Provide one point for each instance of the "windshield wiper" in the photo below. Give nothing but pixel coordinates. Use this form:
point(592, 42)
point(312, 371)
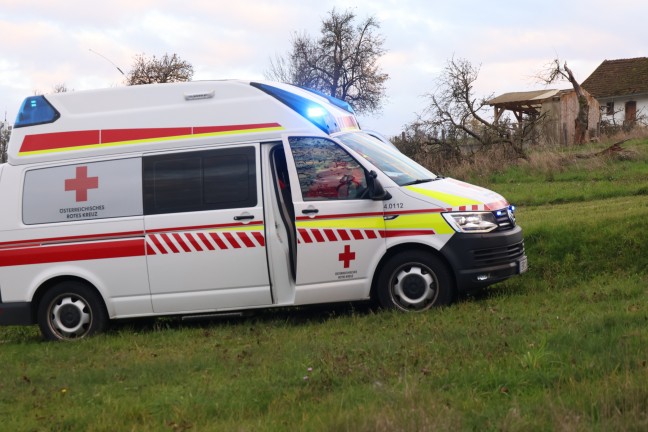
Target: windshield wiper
point(418, 181)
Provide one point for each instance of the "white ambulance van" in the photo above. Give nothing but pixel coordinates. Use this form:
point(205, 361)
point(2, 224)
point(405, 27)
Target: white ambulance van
point(219, 196)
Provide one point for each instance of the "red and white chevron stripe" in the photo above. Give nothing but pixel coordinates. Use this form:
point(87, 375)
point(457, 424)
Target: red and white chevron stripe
point(321, 235)
point(202, 241)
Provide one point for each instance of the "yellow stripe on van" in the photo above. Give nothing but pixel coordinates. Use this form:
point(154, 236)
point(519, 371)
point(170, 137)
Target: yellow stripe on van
point(433, 221)
point(451, 200)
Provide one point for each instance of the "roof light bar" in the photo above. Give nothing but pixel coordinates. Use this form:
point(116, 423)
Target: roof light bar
point(311, 110)
point(333, 100)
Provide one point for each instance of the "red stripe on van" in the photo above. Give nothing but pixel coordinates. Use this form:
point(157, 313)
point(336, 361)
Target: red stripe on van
point(343, 235)
point(318, 236)
point(69, 239)
point(118, 135)
point(54, 140)
point(168, 243)
point(404, 233)
point(245, 239)
point(304, 235)
point(216, 129)
point(259, 238)
point(357, 234)
point(230, 238)
point(350, 215)
point(149, 250)
point(70, 140)
point(72, 252)
point(330, 234)
point(221, 244)
point(196, 244)
point(203, 238)
point(158, 244)
point(182, 242)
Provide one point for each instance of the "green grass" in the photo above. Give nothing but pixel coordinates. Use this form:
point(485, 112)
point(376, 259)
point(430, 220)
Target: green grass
point(563, 347)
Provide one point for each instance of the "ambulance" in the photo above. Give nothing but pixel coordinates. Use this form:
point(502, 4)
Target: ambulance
point(209, 197)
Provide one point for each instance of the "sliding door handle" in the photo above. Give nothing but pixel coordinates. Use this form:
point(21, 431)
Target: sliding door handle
point(243, 217)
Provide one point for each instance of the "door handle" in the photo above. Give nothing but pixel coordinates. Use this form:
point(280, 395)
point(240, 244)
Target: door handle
point(310, 211)
point(243, 217)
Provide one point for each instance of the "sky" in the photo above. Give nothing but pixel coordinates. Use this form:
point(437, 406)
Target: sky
point(79, 43)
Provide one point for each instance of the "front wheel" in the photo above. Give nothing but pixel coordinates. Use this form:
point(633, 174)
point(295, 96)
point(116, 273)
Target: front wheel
point(414, 281)
point(71, 310)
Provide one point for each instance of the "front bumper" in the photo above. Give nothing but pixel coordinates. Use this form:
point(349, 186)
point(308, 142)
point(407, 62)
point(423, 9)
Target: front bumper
point(18, 313)
point(479, 260)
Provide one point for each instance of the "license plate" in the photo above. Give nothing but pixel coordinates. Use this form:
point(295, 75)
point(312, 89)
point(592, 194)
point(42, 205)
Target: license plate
point(523, 265)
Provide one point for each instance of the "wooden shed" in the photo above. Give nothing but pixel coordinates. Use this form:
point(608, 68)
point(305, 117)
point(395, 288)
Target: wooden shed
point(557, 109)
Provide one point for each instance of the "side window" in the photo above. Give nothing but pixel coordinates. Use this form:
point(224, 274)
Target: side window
point(326, 171)
point(197, 181)
point(93, 190)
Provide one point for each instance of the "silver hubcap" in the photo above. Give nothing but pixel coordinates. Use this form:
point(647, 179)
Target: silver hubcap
point(70, 316)
point(414, 287)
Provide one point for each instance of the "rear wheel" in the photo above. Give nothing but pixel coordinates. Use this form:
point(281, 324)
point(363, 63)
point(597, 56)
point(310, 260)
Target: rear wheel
point(71, 310)
point(415, 281)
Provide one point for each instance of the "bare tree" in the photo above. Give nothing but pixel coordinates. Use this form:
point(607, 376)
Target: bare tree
point(56, 88)
point(60, 88)
point(342, 62)
point(168, 68)
point(5, 133)
point(556, 73)
point(455, 124)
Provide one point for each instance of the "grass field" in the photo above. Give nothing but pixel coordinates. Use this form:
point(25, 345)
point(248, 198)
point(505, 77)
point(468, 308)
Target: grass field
point(563, 347)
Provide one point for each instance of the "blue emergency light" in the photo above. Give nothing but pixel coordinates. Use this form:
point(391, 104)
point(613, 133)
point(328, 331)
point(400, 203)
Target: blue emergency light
point(333, 100)
point(314, 112)
point(35, 110)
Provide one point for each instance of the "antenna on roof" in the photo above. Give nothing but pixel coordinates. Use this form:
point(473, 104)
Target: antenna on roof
point(108, 60)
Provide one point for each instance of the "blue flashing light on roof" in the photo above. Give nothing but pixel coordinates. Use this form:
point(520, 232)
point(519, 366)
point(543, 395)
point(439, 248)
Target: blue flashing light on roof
point(35, 110)
point(314, 112)
point(333, 100)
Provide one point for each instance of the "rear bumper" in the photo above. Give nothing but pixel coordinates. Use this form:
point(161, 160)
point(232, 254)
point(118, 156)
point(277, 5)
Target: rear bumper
point(18, 313)
point(479, 260)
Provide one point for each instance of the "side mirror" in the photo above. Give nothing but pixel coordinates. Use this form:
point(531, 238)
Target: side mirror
point(376, 190)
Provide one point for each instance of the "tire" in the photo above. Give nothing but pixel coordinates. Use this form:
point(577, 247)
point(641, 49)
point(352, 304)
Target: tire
point(415, 281)
point(71, 310)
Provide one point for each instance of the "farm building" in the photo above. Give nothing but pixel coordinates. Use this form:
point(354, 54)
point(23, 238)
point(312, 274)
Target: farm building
point(557, 110)
point(621, 87)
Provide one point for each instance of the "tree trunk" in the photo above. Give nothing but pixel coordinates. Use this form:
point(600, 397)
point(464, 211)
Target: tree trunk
point(581, 123)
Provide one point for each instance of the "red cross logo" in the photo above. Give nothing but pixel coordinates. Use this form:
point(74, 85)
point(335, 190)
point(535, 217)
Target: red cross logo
point(347, 256)
point(81, 183)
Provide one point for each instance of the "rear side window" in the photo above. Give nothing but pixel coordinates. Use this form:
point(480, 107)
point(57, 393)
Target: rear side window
point(197, 181)
point(93, 190)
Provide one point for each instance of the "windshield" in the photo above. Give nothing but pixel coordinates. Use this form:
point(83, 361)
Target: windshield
point(398, 167)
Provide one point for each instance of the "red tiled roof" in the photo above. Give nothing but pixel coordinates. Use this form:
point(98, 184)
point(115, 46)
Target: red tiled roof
point(618, 78)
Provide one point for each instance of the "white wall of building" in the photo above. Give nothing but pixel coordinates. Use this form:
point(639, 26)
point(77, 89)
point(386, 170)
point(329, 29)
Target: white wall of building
point(619, 106)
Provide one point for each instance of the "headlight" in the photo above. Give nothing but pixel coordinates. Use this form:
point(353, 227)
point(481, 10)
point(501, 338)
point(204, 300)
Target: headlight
point(471, 222)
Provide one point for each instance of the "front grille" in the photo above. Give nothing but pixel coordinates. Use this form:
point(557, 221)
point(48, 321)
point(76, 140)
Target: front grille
point(499, 255)
point(504, 221)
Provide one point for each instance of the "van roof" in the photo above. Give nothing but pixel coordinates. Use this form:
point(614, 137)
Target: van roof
point(154, 117)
